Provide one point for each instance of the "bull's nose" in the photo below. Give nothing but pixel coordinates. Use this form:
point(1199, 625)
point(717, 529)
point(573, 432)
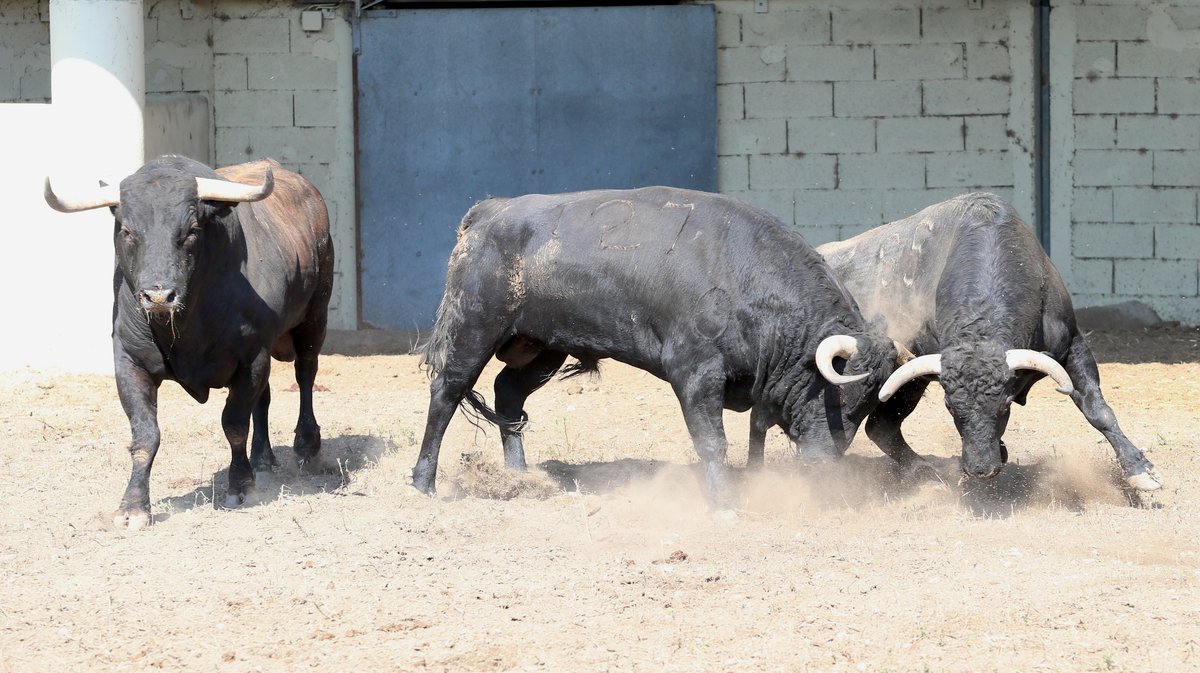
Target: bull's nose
point(982, 471)
point(158, 297)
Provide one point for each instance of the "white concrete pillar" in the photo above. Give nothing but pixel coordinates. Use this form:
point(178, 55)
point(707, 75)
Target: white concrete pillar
point(98, 81)
point(97, 87)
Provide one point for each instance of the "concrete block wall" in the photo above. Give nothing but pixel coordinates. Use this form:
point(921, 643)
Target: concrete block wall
point(25, 51)
point(1134, 160)
point(287, 93)
point(841, 115)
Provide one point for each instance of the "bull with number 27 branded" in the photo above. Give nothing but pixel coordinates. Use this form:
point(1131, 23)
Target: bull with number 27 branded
point(217, 271)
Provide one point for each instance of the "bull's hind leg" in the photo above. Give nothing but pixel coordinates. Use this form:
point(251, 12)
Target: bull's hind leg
point(883, 428)
point(1081, 365)
point(308, 338)
point(760, 422)
point(262, 458)
point(468, 355)
point(139, 398)
point(244, 393)
point(512, 387)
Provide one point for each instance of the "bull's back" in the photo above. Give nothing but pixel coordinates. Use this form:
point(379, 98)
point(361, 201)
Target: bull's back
point(291, 251)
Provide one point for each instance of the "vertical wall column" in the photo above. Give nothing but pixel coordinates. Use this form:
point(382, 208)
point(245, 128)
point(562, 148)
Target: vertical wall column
point(98, 82)
point(97, 88)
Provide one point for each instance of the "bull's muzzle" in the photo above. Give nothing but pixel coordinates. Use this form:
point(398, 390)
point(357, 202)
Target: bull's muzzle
point(159, 300)
point(985, 470)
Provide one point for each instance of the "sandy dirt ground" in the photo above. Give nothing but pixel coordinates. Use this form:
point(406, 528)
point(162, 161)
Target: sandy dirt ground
point(606, 557)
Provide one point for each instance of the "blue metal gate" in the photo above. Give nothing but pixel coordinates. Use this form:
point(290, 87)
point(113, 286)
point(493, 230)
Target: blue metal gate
point(457, 105)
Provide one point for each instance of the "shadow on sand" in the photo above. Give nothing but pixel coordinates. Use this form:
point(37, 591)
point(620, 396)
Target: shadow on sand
point(339, 458)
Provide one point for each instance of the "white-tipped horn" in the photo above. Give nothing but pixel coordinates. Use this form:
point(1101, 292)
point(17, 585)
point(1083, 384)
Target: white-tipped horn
point(1023, 358)
point(102, 197)
point(838, 345)
point(920, 366)
point(234, 192)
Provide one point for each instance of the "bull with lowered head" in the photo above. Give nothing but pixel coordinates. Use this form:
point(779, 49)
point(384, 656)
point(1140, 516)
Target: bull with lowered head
point(217, 271)
point(721, 300)
point(964, 285)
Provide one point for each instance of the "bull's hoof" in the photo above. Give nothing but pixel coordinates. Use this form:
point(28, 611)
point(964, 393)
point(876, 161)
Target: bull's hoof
point(130, 519)
point(727, 516)
point(424, 486)
point(918, 473)
point(1144, 481)
point(307, 444)
point(234, 500)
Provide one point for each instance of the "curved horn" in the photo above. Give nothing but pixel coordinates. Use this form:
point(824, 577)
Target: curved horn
point(921, 366)
point(234, 192)
point(107, 195)
point(1022, 358)
point(838, 345)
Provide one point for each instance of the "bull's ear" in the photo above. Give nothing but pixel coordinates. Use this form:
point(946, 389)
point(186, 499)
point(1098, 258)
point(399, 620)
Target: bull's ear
point(214, 210)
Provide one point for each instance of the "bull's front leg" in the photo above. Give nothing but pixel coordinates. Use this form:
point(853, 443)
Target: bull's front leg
point(138, 391)
point(701, 397)
point(884, 429)
point(244, 394)
point(1085, 375)
point(760, 422)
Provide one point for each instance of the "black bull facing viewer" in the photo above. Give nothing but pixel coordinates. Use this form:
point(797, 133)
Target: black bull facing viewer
point(721, 300)
point(213, 278)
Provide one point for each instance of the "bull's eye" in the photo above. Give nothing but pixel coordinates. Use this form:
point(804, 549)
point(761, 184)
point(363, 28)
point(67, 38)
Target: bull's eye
point(127, 235)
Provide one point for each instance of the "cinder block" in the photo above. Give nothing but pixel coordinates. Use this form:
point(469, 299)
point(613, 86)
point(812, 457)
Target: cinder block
point(824, 207)
point(919, 61)
point(1117, 241)
point(162, 78)
point(19, 12)
point(920, 134)
point(729, 29)
point(1159, 277)
point(751, 136)
point(1177, 169)
point(830, 63)
point(253, 109)
point(751, 64)
point(229, 73)
point(1153, 204)
point(945, 24)
point(1092, 204)
point(785, 100)
point(733, 173)
point(1095, 60)
point(972, 171)
point(987, 132)
point(989, 61)
point(731, 101)
point(831, 136)
point(790, 171)
point(1177, 241)
point(1099, 22)
point(777, 202)
point(1095, 132)
point(251, 36)
point(1102, 168)
point(807, 26)
point(877, 99)
point(1113, 95)
point(1144, 59)
point(1178, 96)
point(876, 26)
point(1158, 133)
point(290, 71)
point(316, 108)
point(876, 171)
point(35, 85)
point(1092, 275)
point(288, 145)
point(967, 97)
point(10, 86)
